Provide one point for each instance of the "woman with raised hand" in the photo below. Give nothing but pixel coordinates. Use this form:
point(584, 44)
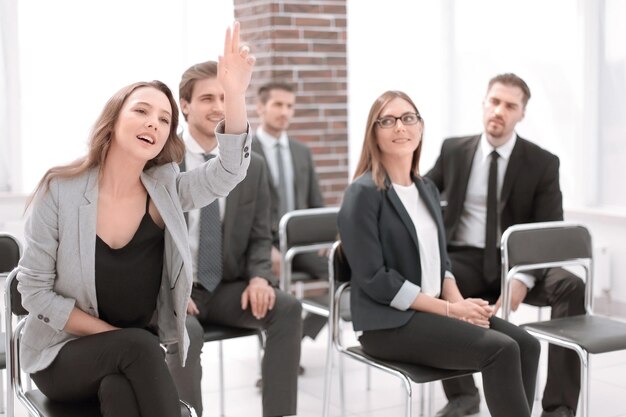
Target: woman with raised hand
point(106, 271)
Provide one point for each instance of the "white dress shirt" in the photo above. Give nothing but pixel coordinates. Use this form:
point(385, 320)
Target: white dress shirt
point(268, 143)
point(472, 224)
point(428, 250)
point(194, 157)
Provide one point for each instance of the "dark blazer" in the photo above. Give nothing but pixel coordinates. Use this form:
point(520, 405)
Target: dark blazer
point(246, 234)
point(530, 190)
point(306, 185)
point(381, 246)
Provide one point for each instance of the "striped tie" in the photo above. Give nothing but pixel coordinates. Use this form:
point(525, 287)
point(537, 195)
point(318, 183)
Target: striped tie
point(210, 244)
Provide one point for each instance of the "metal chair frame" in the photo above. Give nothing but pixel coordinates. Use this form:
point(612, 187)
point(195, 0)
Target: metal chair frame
point(335, 342)
point(586, 262)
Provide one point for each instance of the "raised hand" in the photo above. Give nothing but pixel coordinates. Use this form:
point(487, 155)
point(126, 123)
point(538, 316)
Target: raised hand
point(235, 65)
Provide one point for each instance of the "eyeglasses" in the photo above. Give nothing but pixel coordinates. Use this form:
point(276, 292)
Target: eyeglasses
point(407, 119)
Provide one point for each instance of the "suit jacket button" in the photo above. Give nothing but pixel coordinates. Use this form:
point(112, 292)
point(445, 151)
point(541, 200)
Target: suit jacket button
point(245, 149)
point(40, 316)
point(246, 155)
point(46, 320)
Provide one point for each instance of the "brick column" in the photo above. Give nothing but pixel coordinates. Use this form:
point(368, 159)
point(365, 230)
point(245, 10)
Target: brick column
point(303, 43)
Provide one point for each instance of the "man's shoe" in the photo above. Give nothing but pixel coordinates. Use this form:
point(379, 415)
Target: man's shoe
point(561, 411)
point(463, 405)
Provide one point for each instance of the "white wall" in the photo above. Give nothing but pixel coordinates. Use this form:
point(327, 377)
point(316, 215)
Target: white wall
point(75, 54)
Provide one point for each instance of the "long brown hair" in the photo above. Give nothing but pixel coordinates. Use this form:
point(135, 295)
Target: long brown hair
point(100, 138)
point(370, 159)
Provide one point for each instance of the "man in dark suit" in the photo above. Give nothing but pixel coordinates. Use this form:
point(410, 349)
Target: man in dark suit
point(240, 290)
point(490, 182)
point(294, 184)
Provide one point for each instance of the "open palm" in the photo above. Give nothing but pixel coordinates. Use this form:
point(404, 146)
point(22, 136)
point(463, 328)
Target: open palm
point(235, 66)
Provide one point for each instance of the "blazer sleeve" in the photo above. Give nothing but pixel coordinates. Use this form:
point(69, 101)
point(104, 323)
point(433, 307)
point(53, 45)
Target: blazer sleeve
point(358, 228)
point(217, 177)
point(37, 268)
point(548, 202)
point(259, 263)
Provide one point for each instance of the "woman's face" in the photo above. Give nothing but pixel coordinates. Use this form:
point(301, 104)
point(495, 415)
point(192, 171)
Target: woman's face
point(396, 138)
point(143, 125)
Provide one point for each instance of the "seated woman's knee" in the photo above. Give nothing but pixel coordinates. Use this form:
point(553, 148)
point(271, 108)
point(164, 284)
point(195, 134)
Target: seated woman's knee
point(141, 341)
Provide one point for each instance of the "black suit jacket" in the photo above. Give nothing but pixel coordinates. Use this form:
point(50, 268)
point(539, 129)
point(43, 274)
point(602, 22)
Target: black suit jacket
point(246, 234)
point(381, 246)
point(306, 185)
point(530, 190)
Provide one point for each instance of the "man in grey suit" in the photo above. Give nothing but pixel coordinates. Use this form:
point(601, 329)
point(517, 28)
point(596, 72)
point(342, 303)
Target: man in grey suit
point(244, 294)
point(294, 184)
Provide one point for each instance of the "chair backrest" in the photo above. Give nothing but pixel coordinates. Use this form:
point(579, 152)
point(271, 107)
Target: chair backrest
point(302, 231)
point(339, 267)
point(10, 252)
point(546, 245)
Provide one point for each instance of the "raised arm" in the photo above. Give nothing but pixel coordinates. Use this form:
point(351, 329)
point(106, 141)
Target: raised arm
point(234, 72)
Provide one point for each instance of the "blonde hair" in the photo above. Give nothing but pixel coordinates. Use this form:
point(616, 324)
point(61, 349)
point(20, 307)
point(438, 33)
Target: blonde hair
point(100, 138)
point(370, 159)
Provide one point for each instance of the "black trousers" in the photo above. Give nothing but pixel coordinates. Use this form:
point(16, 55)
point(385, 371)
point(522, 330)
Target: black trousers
point(124, 369)
point(506, 355)
point(557, 288)
point(283, 326)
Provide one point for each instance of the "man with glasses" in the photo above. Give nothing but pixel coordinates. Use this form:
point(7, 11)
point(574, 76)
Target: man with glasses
point(492, 181)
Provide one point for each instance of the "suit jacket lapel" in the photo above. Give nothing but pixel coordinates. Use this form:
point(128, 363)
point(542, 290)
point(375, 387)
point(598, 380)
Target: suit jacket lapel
point(466, 160)
point(404, 216)
point(515, 164)
point(87, 221)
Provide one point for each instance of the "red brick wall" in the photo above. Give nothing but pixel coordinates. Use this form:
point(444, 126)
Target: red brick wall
point(304, 43)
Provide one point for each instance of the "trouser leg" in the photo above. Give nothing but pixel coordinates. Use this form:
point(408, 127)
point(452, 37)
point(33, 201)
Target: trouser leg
point(188, 379)
point(506, 361)
point(77, 372)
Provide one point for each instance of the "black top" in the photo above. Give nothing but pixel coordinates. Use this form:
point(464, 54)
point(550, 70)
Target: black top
point(128, 279)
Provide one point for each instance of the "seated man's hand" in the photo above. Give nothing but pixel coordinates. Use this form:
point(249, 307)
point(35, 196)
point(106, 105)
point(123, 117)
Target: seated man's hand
point(518, 294)
point(260, 295)
point(192, 308)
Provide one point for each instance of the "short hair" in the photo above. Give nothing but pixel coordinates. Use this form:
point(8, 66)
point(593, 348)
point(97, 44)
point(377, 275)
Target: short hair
point(263, 93)
point(513, 80)
point(193, 74)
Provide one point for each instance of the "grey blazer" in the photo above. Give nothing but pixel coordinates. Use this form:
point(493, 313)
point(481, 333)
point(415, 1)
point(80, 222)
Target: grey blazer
point(306, 185)
point(381, 244)
point(57, 270)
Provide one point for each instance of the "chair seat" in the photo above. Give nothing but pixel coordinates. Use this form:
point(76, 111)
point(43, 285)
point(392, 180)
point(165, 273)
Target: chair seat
point(214, 332)
point(417, 373)
point(49, 408)
point(595, 334)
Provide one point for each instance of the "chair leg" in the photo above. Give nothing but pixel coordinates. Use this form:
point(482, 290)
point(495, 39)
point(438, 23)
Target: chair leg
point(431, 398)
point(368, 378)
point(584, 385)
point(409, 397)
point(221, 376)
point(328, 374)
point(2, 410)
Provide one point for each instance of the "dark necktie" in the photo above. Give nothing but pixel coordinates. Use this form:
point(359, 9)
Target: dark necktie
point(210, 244)
point(490, 265)
point(282, 185)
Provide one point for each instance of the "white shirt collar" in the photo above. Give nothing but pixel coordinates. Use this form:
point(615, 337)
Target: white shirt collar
point(504, 151)
point(269, 141)
point(192, 146)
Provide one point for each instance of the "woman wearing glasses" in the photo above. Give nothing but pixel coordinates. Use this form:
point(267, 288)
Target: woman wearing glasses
point(404, 297)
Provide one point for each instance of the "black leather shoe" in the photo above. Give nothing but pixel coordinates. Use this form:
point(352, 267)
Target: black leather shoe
point(463, 405)
point(561, 411)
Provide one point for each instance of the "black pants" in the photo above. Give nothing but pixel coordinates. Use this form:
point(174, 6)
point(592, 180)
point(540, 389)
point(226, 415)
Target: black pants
point(557, 288)
point(506, 355)
point(283, 326)
point(124, 369)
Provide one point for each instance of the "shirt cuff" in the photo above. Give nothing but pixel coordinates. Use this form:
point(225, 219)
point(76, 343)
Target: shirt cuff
point(449, 275)
point(526, 279)
point(405, 297)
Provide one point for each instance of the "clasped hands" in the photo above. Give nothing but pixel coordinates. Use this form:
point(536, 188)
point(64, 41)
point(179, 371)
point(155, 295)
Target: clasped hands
point(472, 310)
